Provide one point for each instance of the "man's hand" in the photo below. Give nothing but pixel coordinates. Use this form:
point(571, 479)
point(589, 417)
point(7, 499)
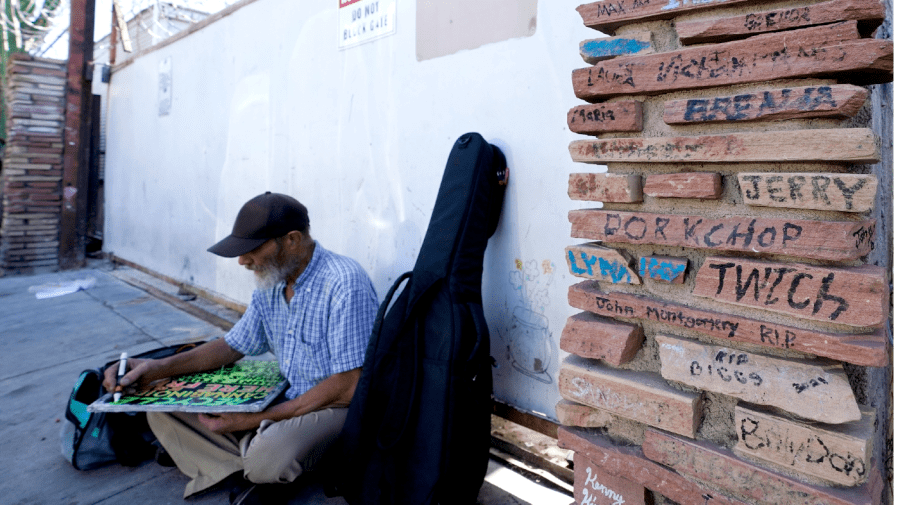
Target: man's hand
point(230, 422)
point(137, 370)
point(209, 356)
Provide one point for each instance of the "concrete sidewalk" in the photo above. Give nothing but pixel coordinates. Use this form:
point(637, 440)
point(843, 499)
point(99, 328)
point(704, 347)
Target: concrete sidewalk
point(46, 343)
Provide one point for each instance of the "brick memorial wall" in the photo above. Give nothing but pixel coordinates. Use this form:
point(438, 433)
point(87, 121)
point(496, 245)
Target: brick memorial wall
point(733, 331)
point(30, 180)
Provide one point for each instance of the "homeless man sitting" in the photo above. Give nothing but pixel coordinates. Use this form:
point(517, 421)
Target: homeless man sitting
point(314, 310)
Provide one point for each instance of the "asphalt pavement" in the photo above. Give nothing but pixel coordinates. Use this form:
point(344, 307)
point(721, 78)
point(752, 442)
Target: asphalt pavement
point(45, 342)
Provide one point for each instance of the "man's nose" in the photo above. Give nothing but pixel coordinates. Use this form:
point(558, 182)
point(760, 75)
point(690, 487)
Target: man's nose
point(244, 260)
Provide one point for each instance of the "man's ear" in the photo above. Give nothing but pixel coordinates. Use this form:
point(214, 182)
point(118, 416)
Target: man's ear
point(295, 239)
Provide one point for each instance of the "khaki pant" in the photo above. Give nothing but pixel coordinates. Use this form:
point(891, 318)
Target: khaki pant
point(275, 452)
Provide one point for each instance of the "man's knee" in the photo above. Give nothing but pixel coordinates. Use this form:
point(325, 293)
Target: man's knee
point(282, 451)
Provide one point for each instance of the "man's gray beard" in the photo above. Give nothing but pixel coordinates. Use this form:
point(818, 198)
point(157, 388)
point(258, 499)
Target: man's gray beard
point(268, 276)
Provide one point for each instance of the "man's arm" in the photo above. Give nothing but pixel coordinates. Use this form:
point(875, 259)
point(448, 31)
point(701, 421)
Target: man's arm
point(211, 355)
point(335, 391)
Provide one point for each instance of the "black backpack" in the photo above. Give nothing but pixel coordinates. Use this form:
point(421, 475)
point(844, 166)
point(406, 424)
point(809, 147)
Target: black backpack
point(94, 439)
point(418, 427)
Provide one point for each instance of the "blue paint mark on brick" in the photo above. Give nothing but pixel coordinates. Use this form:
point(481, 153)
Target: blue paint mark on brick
point(614, 270)
point(663, 270)
point(612, 47)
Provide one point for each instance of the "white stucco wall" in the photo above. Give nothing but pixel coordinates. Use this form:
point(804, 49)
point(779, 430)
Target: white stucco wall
point(263, 100)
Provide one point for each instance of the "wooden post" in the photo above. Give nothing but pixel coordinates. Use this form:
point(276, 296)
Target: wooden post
point(73, 220)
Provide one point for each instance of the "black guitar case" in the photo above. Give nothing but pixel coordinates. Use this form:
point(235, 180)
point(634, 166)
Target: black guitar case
point(418, 427)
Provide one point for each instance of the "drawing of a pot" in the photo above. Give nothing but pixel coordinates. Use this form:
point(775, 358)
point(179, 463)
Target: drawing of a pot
point(531, 347)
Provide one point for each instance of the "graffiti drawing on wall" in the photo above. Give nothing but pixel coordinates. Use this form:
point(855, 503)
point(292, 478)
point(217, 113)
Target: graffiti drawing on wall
point(528, 338)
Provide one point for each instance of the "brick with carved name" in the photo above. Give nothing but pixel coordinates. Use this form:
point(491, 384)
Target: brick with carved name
point(820, 191)
point(831, 50)
point(718, 467)
point(826, 240)
point(812, 390)
point(855, 145)
point(640, 396)
point(837, 454)
point(771, 20)
point(629, 462)
point(861, 349)
point(856, 296)
point(595, 487)
point(592, 261)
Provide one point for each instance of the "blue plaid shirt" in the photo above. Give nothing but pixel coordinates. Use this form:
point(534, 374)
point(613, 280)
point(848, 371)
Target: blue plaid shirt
point(324, 329)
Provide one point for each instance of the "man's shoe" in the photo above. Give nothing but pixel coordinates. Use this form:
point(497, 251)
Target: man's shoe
point(163, 458)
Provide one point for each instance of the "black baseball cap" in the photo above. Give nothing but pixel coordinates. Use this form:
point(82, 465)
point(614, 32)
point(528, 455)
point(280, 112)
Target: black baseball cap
point(265, 217)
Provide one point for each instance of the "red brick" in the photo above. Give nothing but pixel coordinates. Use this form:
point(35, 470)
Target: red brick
point(595, 487)
point(576, 414)
point(38, 196)
point(48, 160)
point(592, 336)
point(804, 238)
point(855, 145)
point(721, 469)
point(701, 185)
point(609, 188)
point(639, 396)
point(608, 15)
point(836, 454)
point(838, 101)
point(869, 349)
point(592, 261)
point(592, 119)
point(663, 268)
point(629, 462)
point(828, 50)
point(596, 50)
point(769, 20)
point(802, 190)
point(813, 389)
point(856, 296)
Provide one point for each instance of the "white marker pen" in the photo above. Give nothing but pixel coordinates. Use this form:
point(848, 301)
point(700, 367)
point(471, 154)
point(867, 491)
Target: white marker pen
point(122, 367)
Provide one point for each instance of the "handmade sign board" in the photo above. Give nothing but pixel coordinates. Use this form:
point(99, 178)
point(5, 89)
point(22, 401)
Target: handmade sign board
point(811, 389)
point(772, 20)
point(825, 240)
point(854, 145)
point(820, 191)
point(246, 386)
point(856, 296)
point(837, 101)
point(826, 50)
point(860, 349)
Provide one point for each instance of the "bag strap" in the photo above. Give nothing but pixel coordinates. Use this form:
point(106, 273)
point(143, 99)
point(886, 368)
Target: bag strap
point(382, 310)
